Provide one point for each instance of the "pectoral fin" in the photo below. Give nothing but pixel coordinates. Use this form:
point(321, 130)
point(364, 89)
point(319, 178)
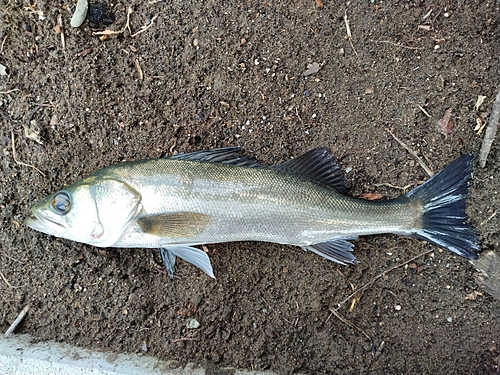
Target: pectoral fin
point(174, 225)
point(337, 250)
point(190, 254)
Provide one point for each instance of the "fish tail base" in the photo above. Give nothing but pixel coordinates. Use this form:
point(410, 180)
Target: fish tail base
point(445, 222)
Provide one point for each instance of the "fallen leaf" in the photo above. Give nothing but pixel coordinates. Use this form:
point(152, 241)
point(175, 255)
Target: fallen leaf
point(371, 196)
point(32, 131)
point(319, 3)
point(311, 69)
point(480, 100)
point(445, 123)
point(3, 70)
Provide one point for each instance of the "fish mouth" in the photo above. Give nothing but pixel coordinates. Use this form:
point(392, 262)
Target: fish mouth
point(43, 224)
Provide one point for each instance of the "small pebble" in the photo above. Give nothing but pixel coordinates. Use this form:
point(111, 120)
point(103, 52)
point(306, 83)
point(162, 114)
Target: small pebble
point(192, 323)
point(80, 13)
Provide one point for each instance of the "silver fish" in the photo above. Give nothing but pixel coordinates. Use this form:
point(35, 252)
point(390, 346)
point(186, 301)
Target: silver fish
point(215, 196)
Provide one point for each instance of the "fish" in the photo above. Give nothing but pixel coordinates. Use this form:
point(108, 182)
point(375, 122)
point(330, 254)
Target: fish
point(204, 197)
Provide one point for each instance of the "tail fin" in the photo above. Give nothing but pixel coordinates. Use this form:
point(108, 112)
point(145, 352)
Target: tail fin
point(445, 222)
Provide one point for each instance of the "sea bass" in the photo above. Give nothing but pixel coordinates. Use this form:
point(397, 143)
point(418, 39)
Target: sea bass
point(213, 196)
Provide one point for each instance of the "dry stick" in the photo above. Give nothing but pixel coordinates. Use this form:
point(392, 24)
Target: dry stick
point(488, 219)
point(489, 135)
point(144, 28)
point(63, 41)
point(6, 281)
point(14, 259)
point(395, 44)
point(349, 35)
point(20, 162)
point(345, 321)
point(404, 188)
point(423, 110)
point(420, 161)
point(16, 322)
point(9, 284)
point(3, 42)
point(9, 91)
point(112, 32)
point(360, 289)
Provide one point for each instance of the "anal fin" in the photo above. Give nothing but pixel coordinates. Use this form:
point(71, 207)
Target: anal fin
point(337, 250)
point(190, 254)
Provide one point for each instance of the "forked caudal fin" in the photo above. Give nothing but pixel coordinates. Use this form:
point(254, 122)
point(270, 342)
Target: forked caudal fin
point(444, 196)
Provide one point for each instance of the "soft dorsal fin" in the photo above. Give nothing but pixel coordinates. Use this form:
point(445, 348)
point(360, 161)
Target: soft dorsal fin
point(228, 155)
point(319, 165)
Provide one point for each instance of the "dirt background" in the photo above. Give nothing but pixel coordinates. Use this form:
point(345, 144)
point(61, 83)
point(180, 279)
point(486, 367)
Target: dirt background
point(221, 73)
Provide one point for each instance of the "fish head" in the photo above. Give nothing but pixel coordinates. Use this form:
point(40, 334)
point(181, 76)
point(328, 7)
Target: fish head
point(94, 210)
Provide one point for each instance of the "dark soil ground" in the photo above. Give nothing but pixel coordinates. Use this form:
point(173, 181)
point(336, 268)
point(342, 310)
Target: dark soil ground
point(218, 73)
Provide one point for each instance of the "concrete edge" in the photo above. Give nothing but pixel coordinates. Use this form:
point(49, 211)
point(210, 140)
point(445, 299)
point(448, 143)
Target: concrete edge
point(24, 355)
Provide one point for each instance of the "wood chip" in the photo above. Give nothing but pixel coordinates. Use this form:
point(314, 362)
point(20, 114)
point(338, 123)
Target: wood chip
point(445, 124)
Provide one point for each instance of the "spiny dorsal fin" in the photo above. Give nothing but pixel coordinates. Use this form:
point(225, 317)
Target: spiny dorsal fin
point(174, 225)
point(319, 165)
point(228, 155)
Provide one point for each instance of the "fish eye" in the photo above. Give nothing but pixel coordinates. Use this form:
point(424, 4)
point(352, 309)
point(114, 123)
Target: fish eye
point(61, 202)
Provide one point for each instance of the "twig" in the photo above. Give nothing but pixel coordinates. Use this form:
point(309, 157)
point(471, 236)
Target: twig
point(16, 322)
point(6, 281)
point(423, 110)
point(20, 162)
point(297, 114)
point(127, 26)
point(190, 336)
point(14, 259)
point(362, 288)
point(9, 91)
point(420, 161)
point(489, 134)
point(349, 35)
point(3, 42)
point(63, 41)
point(488, 219)
point(9, 284)
point(394, 44)
point(404, 188)
point(139, 69)
point(144, 28)
point(352, 325)
point(112, 32)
